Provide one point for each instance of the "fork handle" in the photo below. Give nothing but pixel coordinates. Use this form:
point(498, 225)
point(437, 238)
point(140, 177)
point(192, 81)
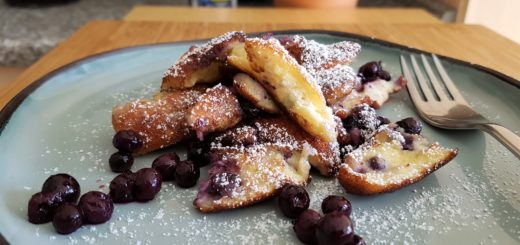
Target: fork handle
point(505, 136)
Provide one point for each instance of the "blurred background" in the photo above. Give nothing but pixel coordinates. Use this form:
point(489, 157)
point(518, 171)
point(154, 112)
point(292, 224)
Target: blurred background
point(30, 28)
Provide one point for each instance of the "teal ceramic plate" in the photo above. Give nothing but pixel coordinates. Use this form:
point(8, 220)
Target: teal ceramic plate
point(62, 124)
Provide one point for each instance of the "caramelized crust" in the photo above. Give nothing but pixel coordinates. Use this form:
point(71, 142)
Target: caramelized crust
point(160, 122)
point(396, 167)
point(170, 117)
point(201, 64)
point(216, 110)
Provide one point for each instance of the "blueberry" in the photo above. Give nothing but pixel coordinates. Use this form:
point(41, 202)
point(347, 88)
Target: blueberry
point(250, 111)
point(377, 163)
point(147, 184)
point(342, 137)
point(223, 184)
point(186, 174)
point(408, 142)
point(334, 203)
point(361, 169)
point(335, 228)
point(371, 71)
point(165, 164)
point(121, 161)
point(66, 185)
point(293, 200)
point(383, 120)
point(198, 152)
point(41, 207)
point(354, 137)
point(305, 226)
point(96, 207)
point(219, 165)
point(245, 137)
point(351, 122)
point(127, 141)
point(358, 240)
point(122, 188)
point(410, 125)
point(363, 117)
point(384, 75)
point(67, 219)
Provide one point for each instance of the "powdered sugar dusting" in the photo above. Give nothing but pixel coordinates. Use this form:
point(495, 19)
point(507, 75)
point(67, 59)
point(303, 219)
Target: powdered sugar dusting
point(394, 164)
point(244, 152)
point(457, 200)
point(196, 52)
point(160, 121)
point(335, 76)
point(316, 56)
point(477, 200)
point(284, 54)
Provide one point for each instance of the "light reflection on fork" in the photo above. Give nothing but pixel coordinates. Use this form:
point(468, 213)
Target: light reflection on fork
point(439, 102)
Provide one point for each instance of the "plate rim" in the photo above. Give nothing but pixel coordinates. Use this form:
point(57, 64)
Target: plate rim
point(12, 105)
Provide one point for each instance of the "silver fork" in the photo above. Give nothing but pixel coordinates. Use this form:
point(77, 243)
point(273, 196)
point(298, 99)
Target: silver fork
point(444, 107)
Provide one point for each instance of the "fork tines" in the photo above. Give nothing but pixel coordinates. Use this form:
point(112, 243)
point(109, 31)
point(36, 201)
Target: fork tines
point(437, 86)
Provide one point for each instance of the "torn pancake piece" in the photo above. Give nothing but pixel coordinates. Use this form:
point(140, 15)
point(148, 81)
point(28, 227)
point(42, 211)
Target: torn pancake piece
point(215, 111)
point(317, 56)
point(251, 163)
point(288, 83)
point(160, 122)
point(201, 64)
point(253, 92)
point(391, 159)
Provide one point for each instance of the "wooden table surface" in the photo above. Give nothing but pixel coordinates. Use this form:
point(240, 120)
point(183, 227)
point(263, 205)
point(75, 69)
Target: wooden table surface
point(281, 15)
point(467, 42)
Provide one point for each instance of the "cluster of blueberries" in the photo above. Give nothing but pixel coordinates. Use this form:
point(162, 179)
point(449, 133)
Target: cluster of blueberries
point(58, 199)
point(57, 203)
point(143, 185)
point(334, 227)
point(373, 70)
point(354, 124)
